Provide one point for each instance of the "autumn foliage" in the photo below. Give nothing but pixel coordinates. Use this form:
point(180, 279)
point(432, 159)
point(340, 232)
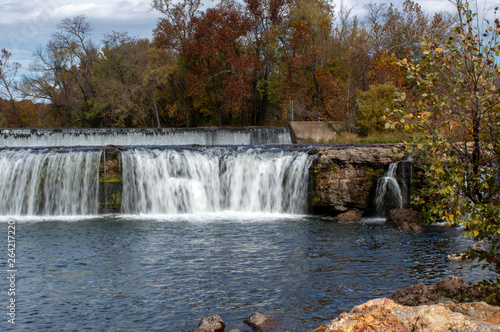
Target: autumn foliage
point(231, 64)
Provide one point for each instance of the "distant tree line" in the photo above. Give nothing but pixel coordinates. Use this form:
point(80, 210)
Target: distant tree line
point(235, 64)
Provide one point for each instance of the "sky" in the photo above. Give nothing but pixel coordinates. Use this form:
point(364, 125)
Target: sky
point(27, 24)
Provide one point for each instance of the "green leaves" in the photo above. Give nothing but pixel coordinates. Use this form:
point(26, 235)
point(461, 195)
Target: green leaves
point(458, 108)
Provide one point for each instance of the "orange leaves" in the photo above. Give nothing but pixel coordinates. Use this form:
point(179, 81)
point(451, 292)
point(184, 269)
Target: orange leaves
point(385, 69)
point(220, 69)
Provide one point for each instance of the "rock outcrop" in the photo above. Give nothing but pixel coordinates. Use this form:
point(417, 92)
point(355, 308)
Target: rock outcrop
point(386, 315)
point(344, 179)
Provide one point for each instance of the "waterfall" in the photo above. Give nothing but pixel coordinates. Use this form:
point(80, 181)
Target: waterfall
point(49, 182)
point(388, 194)
point(178, 181)
point(144, 136)
point(160, 180)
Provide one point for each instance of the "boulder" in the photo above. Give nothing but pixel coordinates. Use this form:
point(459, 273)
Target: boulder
point(259, 322)
point(451, 285)
point(444, 290)
point(349, 216)
point(415, 295)
point(456, 258)
point(385, 315)
point(405, 219)
point(213, 323)
point(481, 246)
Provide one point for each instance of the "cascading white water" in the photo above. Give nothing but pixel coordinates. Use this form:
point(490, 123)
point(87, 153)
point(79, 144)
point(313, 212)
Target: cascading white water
point(388, 191)
point(144, 136)
point(175, 181)
point(48, 182)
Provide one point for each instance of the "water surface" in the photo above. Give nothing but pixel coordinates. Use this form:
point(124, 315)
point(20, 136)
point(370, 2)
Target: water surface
point(146, 273)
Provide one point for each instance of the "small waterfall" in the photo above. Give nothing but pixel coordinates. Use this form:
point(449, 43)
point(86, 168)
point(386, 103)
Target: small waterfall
point(144, 136)
point(49, 182)
point(176, 181)
point(388, 194)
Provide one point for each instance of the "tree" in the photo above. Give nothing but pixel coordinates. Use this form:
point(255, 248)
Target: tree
point(373, 106)
point(403, 29)
point(220, 68)
point(458, 109)
point(125, 91)
point(351, 64)
point(176, 29)
point(65, 78)
point(172, 34)
point(268, 20)
point(8, 73)
point(306, 78)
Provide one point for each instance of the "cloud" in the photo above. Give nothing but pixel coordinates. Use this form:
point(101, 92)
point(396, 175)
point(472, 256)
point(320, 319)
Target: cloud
point(24, 25)
point(27, 24)
point(29, 21)
point(428, 6)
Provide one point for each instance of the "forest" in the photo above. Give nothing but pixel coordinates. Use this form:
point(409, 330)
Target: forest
point(234, 64)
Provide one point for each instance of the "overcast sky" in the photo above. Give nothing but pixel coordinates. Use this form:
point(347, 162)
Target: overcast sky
point(26, 24)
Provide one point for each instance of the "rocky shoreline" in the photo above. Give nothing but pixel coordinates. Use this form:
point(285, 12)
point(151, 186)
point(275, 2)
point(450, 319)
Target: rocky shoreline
point(414, 308)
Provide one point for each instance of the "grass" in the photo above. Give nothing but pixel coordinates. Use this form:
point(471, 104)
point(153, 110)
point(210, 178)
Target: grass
point(393, 137)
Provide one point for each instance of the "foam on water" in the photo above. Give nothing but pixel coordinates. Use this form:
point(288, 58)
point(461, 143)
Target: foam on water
point(175, 182)
point(156, 181)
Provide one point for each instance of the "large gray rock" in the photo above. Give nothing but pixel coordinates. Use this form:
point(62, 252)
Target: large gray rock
point(386, 315)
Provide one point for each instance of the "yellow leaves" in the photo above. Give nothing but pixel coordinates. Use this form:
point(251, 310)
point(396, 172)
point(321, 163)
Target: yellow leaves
point(390, 125)
point(438, 50)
